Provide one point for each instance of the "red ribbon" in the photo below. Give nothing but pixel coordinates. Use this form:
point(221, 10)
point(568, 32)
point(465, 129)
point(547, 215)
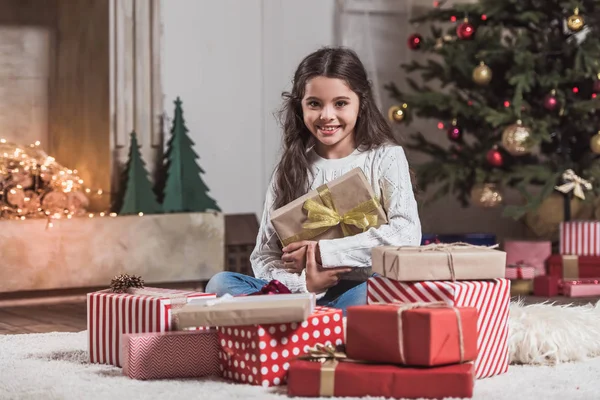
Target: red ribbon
point(273, 287)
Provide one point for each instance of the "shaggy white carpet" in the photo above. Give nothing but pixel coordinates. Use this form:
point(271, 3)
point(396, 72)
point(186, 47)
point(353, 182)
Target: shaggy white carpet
point(55, 366)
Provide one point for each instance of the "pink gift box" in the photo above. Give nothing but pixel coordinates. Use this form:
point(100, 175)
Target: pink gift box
point(171, 355)
point(529, 253)
point(490, 297)
point(581, 288)
point(260, 354)
point(521, 272)
point(110, 315)
point(580, 238)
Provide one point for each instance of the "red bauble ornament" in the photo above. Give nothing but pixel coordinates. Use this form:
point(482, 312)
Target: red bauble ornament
point(465, 30)
point(414, 41)
point(596, 86)
point(454, 132)
point(494, 157)
point(550, 101)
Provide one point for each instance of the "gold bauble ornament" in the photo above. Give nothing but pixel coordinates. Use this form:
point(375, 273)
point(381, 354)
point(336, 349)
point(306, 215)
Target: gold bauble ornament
point(544, 221)
point(595, 143)
point(486, 195)
point(516, 139)
point(398, 113)
point(575, 22)
point(482, 74)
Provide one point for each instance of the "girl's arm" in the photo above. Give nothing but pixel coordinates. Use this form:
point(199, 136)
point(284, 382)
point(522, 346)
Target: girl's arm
point(403, 227)
point(266, 257)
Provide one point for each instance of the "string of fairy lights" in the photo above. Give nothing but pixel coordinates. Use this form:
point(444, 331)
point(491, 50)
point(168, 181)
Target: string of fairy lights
point(34, 185)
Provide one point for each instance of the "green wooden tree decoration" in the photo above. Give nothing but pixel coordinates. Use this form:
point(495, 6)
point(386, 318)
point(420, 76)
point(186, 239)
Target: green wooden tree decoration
point(139, 196)
point(185, 191)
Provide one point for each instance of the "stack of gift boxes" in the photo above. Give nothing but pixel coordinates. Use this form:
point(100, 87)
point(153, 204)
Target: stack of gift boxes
point(436, 318)
point(573, 272)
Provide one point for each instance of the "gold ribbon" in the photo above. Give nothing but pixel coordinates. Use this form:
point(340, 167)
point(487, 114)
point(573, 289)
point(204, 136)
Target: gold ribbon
point(322, 217)
point(444, 247)
point(575, 183)
point(570, 265)
point(329, 357)
point(437, 304)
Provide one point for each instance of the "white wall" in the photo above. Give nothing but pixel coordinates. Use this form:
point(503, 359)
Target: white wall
point(229, 60)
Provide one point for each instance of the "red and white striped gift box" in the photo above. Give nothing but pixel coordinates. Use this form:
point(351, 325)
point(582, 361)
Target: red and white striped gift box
point(110, 315)
point(580, 238)
point(490, 297)
point(171, 355)
point(520, 272)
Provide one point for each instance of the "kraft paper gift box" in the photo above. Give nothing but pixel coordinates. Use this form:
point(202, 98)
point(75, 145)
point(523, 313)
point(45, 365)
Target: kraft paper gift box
point(528, 253)
point(354, 379)
point(437, 262)
point(490, 298)
point(110, 315)
point(171, 355)
point(343, 207)
point(247, 310)
point(261, 354)
point(426, 334)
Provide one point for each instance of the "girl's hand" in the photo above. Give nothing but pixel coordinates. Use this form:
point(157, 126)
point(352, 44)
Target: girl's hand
point(295, 261)
point(292, 247)
point(319, 279)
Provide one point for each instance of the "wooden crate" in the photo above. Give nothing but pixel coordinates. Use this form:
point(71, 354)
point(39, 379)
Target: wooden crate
point(240, 238)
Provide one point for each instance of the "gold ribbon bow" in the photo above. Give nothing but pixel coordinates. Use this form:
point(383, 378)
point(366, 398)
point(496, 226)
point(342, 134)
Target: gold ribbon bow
point(444, 247)
point(437, 304)
point(575, 183)
point(329, 357)
point(322, 217)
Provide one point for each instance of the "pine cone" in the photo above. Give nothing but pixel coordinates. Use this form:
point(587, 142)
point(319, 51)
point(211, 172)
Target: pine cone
point(121, 283)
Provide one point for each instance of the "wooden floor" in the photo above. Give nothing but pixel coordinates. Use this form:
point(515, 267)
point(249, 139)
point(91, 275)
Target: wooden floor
point(71, 316)
point(41, 318)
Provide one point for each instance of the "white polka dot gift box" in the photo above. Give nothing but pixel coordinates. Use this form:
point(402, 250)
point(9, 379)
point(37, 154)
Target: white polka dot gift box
point(261, 354)
point(110, 315)
point(490, 298)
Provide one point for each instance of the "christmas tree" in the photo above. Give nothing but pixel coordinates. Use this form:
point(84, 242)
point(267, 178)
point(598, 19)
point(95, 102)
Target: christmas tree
point(185, 191)
point(517, 102)
point(139, 196)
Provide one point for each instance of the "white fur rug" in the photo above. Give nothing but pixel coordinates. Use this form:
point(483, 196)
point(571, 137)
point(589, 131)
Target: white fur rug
point(55, 366)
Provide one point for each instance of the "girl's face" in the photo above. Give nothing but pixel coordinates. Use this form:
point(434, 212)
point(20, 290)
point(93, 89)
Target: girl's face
point(330, 110)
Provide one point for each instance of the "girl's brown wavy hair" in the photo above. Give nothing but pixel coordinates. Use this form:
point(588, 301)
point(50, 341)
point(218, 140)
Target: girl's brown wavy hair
point(371, 130)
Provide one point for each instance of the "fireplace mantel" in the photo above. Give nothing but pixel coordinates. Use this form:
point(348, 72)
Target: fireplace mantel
point(103, 75)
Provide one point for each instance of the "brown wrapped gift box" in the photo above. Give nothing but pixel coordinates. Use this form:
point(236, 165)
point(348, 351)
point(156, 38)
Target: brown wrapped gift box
point(439, 262)
point(347, 192)
point(247, 310)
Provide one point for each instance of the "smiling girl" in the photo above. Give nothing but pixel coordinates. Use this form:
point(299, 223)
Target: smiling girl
point(331, 125)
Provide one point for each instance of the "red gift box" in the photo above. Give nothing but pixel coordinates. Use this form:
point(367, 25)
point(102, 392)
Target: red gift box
point(490, 298)
point(580, 237)
point(546, 286)
point(260, 354)
point(528, 253)
point(311, 379)
point(171, 355)
point(111, 315)
point(434, 334)
point(573, 266)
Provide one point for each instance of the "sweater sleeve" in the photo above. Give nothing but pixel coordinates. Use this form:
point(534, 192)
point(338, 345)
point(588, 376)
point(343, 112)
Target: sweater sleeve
point(266, 256)
point(403, 227)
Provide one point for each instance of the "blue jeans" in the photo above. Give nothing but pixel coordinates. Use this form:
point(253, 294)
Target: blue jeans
point(342, 295)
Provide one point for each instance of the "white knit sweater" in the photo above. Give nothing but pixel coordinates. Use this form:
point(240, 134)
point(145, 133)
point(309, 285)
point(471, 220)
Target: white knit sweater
point(386, 169)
